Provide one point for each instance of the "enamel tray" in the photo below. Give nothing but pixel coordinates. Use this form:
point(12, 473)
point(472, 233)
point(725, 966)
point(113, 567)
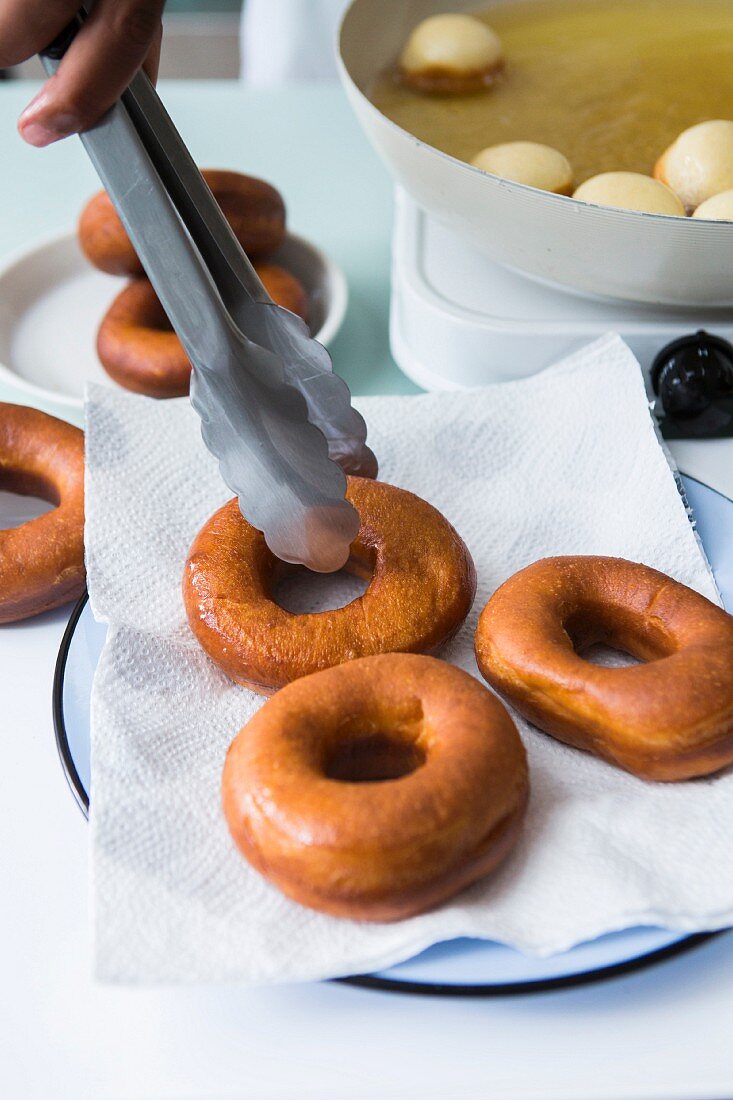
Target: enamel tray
point(465, 967)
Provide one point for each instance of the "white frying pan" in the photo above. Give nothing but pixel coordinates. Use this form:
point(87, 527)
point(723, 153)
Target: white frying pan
point(591, 249)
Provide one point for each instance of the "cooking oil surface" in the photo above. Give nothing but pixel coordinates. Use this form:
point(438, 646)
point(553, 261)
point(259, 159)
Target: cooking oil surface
point(610, 83)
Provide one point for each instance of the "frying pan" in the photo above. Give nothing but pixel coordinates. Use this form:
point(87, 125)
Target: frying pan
point(590, 249)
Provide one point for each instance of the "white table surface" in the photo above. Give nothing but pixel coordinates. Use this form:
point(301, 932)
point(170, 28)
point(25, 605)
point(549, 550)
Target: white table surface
point(663, 1032)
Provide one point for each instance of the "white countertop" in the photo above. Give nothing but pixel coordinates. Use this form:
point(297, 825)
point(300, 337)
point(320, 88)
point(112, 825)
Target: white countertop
point(663, 1032)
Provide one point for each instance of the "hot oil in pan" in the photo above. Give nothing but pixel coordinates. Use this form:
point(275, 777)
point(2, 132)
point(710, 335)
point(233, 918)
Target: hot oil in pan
point(610, 83)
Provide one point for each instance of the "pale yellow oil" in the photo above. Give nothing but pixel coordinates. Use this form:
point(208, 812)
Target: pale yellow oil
point(610, 83)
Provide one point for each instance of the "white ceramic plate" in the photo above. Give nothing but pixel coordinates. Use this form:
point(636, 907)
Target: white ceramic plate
point(466, 967)
point(52, 301)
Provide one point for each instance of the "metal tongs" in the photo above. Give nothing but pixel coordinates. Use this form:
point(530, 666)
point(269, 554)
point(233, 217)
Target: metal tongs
point(273, 413)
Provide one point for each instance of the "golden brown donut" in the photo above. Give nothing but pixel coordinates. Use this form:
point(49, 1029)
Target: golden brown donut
point(377, 789)
point(668, 719)
point(137, 346)
point(254, 209)
point(42, 561)
point(284, 288)
point(422, 585)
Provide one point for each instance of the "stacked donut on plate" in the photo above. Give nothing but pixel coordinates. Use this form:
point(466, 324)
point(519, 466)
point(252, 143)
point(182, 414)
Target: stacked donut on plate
point(136, 343)
point(378, 780)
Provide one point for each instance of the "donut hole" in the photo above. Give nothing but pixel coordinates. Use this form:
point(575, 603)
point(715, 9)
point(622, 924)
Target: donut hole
point(617, 636)
point(303, 592)
point(607, 656)
point(374, 758)
point(24, 497)
point(385, 742)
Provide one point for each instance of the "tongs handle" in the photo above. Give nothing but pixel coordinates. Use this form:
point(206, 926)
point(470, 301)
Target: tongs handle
point(202, 216)
point(223, 255)
point(257, 372)
point(157, 189)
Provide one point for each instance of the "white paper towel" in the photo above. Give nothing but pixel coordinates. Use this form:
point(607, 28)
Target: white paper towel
point(565, 462)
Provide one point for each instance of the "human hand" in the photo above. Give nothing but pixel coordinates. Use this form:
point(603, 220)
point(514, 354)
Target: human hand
point(117, 39)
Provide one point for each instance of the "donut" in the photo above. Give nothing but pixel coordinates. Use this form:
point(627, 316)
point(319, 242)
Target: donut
point(630, 191)
point(377, 789)
point(137, 346)
point(450, 54)
point(699, 163)
point(284, 289)
point(718, 208)
point(42, 561)
point(254, 209)
point(669, 718)
point(527, 162)
point(422, 583)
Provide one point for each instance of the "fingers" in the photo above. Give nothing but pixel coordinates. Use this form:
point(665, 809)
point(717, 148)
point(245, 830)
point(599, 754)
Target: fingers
point(152, 61)
point(105, 55)
point(27, 26)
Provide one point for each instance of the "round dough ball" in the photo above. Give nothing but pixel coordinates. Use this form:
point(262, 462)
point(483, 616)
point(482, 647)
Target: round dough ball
point(451, 53)
point(630, 191)
point(528, 162)
point(719, 208)
point(699, 163)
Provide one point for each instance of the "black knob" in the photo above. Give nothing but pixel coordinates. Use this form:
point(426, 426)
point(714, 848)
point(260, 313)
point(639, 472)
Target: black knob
point(691, 373)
